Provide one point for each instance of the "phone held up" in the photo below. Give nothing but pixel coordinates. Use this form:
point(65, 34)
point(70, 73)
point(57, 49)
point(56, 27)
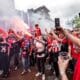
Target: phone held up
point(57, 24)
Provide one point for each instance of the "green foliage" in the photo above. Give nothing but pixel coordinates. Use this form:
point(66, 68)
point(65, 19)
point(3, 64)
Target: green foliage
point(76, 21)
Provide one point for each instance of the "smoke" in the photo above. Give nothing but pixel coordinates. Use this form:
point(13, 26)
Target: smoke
point(7, 8)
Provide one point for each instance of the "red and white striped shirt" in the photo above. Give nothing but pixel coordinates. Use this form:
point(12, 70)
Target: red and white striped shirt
point(55, 46)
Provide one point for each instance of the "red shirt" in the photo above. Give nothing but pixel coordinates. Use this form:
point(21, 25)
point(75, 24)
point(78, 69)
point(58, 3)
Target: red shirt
point(49, 42)
point(76, 75)
point(55, 46)
point(65, 41)
point(75, 50)
point(37, 32)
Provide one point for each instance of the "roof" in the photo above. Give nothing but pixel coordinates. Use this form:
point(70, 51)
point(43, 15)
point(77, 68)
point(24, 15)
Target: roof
point(42, 7)
point(39, 9)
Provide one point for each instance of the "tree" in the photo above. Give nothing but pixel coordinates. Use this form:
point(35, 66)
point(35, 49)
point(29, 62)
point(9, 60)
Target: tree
point(76, 22)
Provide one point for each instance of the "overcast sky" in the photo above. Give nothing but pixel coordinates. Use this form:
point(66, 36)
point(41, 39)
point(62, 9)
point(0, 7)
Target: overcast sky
point(65, 9)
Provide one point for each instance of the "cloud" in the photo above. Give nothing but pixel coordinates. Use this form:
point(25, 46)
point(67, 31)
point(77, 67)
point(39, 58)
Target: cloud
point(72, 10)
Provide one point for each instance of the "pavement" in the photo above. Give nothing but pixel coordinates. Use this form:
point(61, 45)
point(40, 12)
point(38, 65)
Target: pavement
point(16, 75)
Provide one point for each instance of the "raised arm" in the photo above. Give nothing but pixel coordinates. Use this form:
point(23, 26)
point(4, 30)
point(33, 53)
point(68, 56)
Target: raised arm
point(72, 38)
point(56, 37)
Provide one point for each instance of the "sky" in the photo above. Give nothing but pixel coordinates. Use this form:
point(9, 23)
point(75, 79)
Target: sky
point(64, 9)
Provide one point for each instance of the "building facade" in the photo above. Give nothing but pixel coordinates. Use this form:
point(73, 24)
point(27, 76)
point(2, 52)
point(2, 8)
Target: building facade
point(40, 16)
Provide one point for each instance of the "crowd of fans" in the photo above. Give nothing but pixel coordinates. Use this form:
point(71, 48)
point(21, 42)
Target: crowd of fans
point(59, 47)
